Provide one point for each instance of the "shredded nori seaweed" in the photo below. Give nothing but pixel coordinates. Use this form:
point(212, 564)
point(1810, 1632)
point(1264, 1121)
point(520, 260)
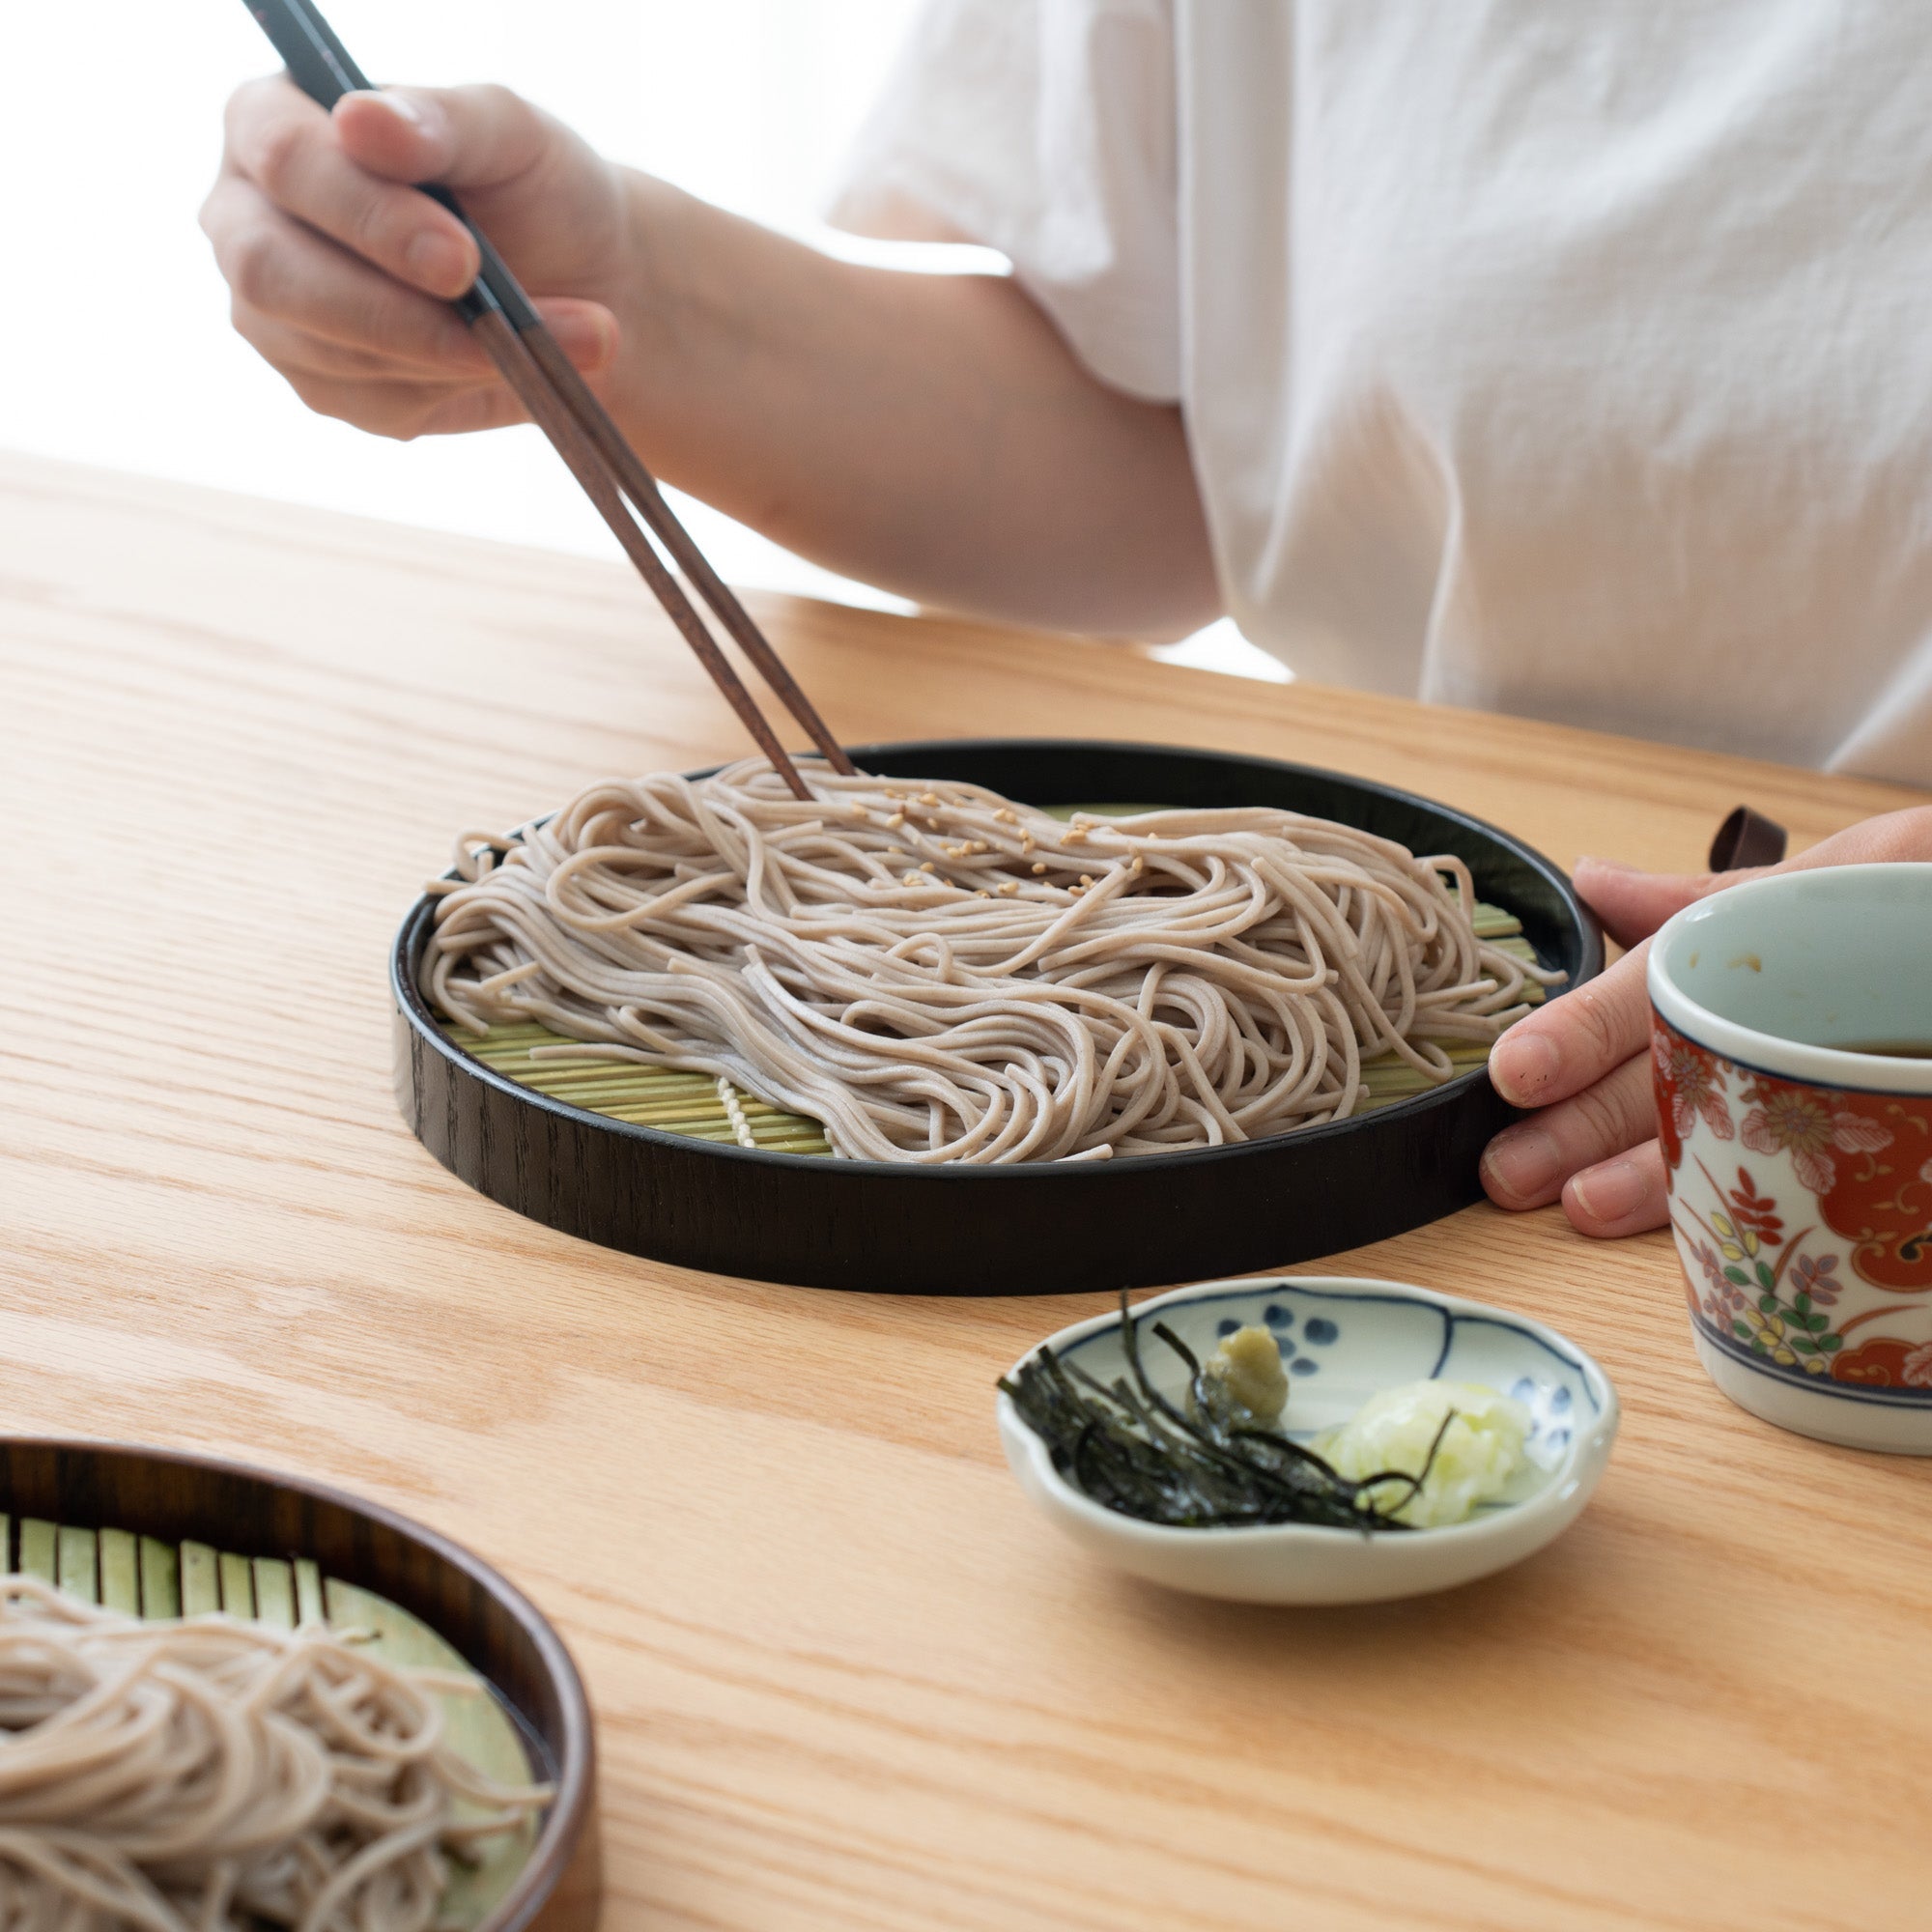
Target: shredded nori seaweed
point(1133, 1451)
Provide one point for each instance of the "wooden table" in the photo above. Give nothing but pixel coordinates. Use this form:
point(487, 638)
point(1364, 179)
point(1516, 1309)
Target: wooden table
point(846, 1677)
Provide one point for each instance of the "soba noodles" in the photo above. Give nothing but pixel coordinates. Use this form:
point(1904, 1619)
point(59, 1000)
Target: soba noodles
point(207, 1774)
point(938, 974)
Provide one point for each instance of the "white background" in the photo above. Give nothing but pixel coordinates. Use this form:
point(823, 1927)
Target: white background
point(115, 328)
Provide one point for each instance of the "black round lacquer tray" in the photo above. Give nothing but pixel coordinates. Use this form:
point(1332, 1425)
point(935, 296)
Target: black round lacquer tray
point(1018, 1230)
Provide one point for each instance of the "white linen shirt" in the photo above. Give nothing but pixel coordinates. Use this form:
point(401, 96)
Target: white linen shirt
point(1571, 361)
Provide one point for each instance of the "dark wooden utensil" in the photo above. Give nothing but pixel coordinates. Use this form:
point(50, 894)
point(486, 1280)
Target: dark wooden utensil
point(1747, 838)
point(502, 318)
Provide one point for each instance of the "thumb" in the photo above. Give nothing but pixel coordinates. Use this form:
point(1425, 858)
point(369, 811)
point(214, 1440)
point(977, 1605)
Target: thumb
point(1633, 904)
point(464, 137)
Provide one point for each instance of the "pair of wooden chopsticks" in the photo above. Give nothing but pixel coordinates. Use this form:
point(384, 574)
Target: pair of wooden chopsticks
point(502, 317)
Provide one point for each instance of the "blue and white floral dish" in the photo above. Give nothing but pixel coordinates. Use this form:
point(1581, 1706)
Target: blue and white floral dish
point(1341, 1340)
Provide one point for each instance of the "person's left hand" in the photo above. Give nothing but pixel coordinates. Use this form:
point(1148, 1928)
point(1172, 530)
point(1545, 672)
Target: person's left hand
point(1584, 1060)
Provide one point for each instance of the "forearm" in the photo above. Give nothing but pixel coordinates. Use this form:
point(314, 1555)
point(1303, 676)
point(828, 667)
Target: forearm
point(930, 434)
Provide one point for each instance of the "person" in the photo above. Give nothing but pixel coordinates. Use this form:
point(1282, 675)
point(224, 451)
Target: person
point(1565, 363)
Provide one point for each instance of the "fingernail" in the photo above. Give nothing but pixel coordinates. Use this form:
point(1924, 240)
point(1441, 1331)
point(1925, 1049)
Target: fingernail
point(1522, 1161)
point(401, 104)
point(422, 117)
point(1522, 1066)
point(436, 260)
point(1603, 865)
point(589, 340)
point(1611, 1191)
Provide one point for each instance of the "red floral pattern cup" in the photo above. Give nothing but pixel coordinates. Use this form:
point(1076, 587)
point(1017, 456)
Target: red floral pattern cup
point(1800, 1169)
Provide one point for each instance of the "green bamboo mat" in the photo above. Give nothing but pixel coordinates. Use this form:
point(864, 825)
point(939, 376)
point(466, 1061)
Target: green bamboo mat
point(703, 1108)
point(648, 1097)
point(142, 1577)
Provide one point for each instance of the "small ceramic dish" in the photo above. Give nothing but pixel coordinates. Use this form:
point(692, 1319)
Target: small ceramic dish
point(1341, 1340)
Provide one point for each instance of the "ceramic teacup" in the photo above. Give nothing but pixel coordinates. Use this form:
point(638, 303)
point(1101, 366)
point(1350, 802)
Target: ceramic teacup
point(1800, 1169)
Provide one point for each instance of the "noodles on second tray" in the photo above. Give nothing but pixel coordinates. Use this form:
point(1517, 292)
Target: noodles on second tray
point(938, 974)
point(199, 1776)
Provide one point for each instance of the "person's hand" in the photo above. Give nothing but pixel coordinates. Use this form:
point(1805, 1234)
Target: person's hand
point(1584, 1060)
point(341, 273)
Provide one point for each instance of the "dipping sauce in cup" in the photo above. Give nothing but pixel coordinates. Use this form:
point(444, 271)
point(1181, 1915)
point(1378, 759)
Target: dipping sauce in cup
point(1792, 1046)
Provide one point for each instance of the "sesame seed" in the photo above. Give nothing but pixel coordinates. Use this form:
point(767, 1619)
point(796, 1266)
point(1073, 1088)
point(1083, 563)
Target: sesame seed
point(1039, 868)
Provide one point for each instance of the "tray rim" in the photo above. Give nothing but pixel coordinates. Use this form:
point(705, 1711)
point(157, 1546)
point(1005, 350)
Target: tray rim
point(406, 949)
point(558, 1888)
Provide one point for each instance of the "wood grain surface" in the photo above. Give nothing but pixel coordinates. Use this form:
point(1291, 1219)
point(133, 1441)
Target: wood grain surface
point(843, 1676)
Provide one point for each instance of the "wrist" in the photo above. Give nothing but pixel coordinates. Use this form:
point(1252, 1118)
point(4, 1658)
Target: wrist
point(651, 296)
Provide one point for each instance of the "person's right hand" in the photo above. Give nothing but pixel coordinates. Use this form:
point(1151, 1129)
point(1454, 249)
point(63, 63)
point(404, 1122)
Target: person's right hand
point(341, 273)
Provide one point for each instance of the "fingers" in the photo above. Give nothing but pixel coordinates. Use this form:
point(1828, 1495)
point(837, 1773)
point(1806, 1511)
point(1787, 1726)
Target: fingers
point(1581, 1059)
point(586, 332)
point(1632, 905)
point(1892, 835)
point(1561, 1048)
point(1565, 1046)
point(466, 136)
point(292, 351)
point(368, 391)
point(376, 393)
point(285, 145)
point(1598, 1153)
point(405, 411)
point(1626, 1195)
point(285, 274)
point(1527, 1165)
